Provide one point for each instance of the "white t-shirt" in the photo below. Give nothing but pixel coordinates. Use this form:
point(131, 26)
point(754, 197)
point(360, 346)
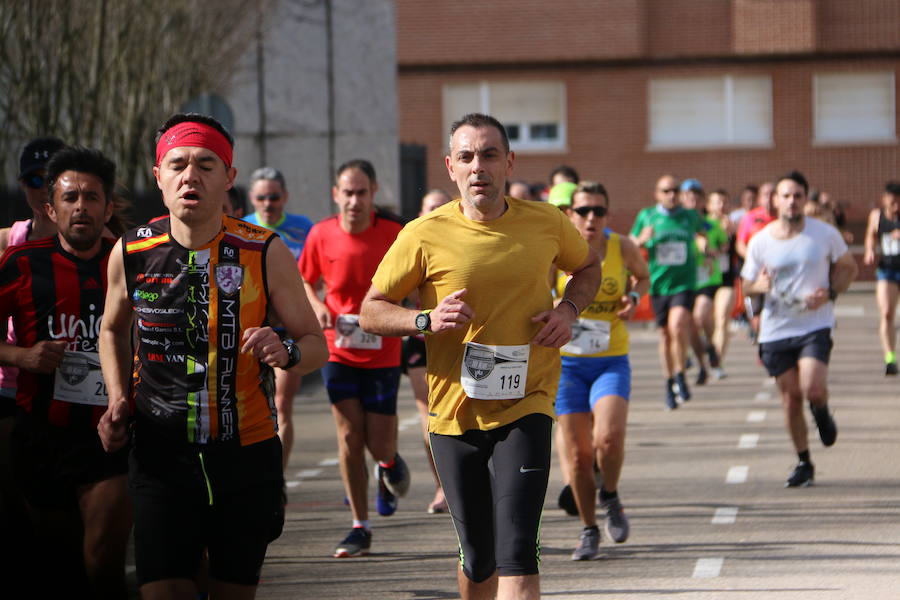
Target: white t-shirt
point(798, 266)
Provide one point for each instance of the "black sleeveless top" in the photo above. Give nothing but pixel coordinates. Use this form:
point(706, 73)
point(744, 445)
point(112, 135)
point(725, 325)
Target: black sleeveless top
point(890, 247)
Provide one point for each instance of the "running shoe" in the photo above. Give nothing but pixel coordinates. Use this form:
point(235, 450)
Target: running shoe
point(681, 386)
point(357, 543)
point(671, 402)
point(396, 477)
point(617, 527)
point(890, 369)
point(802, 475)
point(825, 423)
point(385, 501)
point(588, 544)
point(566, 501)
point(702, 376)
point(719, 373)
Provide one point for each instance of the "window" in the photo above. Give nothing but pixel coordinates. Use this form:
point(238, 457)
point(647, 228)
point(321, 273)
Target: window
point(533, 112)
point(711, 111)
point(854, 107)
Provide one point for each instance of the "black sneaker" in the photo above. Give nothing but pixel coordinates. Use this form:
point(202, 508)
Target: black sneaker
point(681, 387)
point(357, 543)
point(566, 501)
point(671, 403)
point(825, 423)
point(802, 475)
point(702, 376)
point(396, 478)
point(890, 369)
point(713, 356)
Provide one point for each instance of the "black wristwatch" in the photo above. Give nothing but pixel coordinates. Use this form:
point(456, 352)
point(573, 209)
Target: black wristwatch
point(293, 351)
point(423, 322)
point(832, 295)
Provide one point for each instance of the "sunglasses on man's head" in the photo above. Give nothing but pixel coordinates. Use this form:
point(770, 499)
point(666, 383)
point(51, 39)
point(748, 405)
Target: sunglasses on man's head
point(584, 211)
point(35, 181)
point(272, 197)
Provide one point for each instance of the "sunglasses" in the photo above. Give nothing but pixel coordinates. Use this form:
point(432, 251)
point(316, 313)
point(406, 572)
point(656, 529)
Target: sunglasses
point(584, 211)
point(35, 181)
point(668, 191)
point(272, 197)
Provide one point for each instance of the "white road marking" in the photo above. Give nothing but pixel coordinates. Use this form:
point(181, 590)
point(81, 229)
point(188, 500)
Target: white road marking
point(756, 416)
point(292, 484)
point(737, 474)
point(748, 440)
point(762, 396)
point(307, 473)
point(849, 311)
point(725, 515)
point(708, 567)
point(329, 462)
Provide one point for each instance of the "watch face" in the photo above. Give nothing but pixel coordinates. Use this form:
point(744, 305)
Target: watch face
point(422, 322)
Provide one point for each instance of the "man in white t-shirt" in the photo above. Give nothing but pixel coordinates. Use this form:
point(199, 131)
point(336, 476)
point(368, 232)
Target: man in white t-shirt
point(800, 265)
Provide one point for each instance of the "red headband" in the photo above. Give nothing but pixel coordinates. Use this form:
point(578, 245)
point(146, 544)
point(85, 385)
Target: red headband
point(191, 133)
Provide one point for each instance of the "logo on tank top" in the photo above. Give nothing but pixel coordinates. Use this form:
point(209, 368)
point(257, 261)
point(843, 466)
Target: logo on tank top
point(229, 278)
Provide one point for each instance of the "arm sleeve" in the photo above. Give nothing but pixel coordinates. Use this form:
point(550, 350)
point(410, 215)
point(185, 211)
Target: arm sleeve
point(308, 263)
point(752, 264)
point(403, 267)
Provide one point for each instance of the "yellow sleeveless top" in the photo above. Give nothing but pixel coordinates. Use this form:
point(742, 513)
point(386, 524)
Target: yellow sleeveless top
point(607, 302)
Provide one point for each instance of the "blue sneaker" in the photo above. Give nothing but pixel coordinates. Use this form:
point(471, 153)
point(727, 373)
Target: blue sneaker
point(671, 402)
point(396, 477)
point(385, 501)
point(357, 543)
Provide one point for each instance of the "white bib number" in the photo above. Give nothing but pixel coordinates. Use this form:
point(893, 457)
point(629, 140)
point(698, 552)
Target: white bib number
point(494, 372)
point(889, 246)
point(78, 379)
point(702, 273)
point(348, 334)
point(671, 254)
point(588, 337)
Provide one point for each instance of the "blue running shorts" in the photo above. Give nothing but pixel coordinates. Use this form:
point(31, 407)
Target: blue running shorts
point(584, 380)
point(888, 275)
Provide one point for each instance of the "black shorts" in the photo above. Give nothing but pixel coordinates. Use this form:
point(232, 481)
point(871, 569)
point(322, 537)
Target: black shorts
point(781, 356)
point(188, 497)
point(376, 389)
point(728, 278)
point(708, 291)
point(663, 304)
point(413, 353)
point(495, 482)
point(50, 463)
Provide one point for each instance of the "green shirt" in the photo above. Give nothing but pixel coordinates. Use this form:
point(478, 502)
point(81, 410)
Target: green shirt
point(672, 252)
point(708, 271)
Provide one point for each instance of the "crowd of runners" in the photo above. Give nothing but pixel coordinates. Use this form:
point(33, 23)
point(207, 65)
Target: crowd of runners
point(149, 372)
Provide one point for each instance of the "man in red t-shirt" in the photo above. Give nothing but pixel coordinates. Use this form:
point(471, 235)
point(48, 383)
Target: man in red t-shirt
point(363, 374)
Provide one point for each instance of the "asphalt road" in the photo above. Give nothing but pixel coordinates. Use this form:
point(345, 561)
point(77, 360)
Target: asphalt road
point(703, 487)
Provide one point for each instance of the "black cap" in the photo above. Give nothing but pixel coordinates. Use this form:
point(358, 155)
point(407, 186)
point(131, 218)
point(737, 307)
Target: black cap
point(37, 153)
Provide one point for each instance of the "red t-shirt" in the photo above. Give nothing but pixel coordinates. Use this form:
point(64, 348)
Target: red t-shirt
point(752, 222)
point(346, 262)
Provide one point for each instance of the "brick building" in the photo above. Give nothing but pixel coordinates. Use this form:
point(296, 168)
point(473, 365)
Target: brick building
point(727, 91)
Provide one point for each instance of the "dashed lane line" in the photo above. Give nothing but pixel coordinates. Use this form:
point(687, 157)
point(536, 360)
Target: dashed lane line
point(708, 567)
point(737, 474)
point(756, 416)
point(748, 440)
point(725, 515)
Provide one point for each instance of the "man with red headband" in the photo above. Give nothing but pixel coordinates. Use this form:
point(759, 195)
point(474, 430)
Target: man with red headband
point(205, 465)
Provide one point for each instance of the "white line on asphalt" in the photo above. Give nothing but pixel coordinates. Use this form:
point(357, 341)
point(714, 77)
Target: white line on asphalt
point(762, 396)
point(708, 567)
point(307, 473)
point(737, 474)
point(329, 462)
point(849, 311)
point(292, 484)
point(748, 440)
point(756, 416)
point(725, 515)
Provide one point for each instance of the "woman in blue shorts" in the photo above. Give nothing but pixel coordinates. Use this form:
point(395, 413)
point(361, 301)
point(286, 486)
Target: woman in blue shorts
point(592, 401)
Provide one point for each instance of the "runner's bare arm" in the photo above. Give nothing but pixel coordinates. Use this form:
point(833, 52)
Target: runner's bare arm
point(116, 360)
point(43, 357)
point(580, 291)
point(383, 316)
point(292, 307)
point(871, 240)
point(843, 272)
point(319, 308)
point(640, 276)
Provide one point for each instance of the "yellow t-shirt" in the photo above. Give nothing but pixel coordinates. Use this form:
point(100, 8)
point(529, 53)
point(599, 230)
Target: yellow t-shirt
point(504, 265)
point(607, 302)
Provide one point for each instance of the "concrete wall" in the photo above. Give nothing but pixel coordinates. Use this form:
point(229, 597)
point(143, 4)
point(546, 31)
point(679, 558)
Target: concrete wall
point(296, 98)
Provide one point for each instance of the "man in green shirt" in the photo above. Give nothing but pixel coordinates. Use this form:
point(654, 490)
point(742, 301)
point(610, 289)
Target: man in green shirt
point(668, 230)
